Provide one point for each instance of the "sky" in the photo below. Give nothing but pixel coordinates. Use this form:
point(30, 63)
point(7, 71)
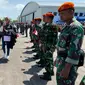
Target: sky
point(13, 8)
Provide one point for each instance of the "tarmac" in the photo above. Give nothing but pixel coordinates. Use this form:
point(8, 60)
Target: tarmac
point(22, 69)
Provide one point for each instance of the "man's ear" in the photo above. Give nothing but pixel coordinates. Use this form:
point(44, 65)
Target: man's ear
point(71, 12)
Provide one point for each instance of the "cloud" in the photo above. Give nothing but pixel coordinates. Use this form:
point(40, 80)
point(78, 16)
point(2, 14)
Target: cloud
point(19, 6)
point(3, 3)
point(10, 10)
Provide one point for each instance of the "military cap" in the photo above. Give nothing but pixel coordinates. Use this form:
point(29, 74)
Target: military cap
point(49, 14)
point(65, 6)
point(37, 19)
point(44, 15)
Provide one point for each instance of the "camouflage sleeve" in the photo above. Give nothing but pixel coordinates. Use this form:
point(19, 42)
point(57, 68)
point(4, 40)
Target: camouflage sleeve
point(55, 37)
point(75, 45)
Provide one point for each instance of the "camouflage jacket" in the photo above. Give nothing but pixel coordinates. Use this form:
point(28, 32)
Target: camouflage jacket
point(36, 31)
point(70, 41)
point(50, 34)
point(42, 33)
point(38, 28)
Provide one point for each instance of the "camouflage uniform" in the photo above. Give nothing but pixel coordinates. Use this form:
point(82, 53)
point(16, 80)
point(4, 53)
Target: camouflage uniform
point(36, 36)
point(69, 45)
point(41, 46)
point(49, 43)
point(31, 32)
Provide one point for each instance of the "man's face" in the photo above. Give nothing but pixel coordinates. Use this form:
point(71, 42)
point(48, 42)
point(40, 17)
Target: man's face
point(44, 19)
point(37, 22)
point(48, 19)
point(66, 15)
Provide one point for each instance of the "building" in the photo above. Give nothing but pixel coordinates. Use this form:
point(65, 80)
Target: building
point(33, 10)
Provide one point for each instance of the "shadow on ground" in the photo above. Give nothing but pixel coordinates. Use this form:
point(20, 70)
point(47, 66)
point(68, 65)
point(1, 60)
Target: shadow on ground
point(27, 60)
point(0, 44)
point(35, 80)
point(26, 42)
point(28, 52)
point(33, 70)
point(28, 47)
point(3, 61)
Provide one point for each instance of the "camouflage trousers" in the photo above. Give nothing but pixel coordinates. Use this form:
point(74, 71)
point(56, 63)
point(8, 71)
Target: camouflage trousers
point(36, 44)
point(31, 36)
point(49, 62)
point(72, 75)
point(41, 54)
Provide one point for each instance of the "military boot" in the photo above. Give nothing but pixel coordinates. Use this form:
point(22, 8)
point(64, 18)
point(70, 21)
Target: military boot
point(46, 77)
point(52, 73)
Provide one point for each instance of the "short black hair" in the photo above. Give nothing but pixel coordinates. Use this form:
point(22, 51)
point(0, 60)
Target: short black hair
point(71, 9)
point(51, 17)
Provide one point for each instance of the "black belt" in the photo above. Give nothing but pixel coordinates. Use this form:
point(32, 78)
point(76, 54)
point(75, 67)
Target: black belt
point(62, 54)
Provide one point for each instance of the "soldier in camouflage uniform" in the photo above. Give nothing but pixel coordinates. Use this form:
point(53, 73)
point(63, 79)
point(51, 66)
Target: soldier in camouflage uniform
point(36, 31)
point(31, 29)
point(69, 46)
point(41, 52)
point(50, 41)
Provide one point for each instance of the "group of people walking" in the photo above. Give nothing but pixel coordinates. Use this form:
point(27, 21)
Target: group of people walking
point(45, 40)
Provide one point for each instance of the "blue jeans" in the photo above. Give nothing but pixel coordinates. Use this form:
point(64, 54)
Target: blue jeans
point(7, 47)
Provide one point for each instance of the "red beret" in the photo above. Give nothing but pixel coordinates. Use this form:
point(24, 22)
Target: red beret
point(65, 6)
point(49, 14)
point(37, 19)
point(44, 15)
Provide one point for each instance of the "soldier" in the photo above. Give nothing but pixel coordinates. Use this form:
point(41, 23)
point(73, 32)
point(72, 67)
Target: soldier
point(18, 26)
point(69, 46)
point(31, 30)
point(41, 52)
point(22, 28)
point(26, 29)
point(36, 30)
point(49, 45)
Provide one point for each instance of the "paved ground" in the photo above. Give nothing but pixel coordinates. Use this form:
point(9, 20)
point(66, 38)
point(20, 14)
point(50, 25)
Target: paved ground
point(22, 69)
